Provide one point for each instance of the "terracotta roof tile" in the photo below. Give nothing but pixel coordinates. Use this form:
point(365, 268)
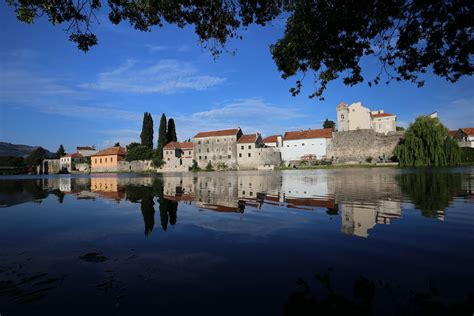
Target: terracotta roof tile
point(311, 133)
point(271, 139)
point(342, 104)
point(250, 138)
point(226, 132)
point(111, 151)
point(468, 131)
point(382, 115)
point(179, 145)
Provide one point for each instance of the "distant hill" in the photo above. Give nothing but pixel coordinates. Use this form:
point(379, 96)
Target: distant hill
point(15, 150)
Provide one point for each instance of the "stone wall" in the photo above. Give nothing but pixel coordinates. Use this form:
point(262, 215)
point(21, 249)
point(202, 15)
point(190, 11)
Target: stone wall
point(140, 165)
point(356, 146)
point(259, 157)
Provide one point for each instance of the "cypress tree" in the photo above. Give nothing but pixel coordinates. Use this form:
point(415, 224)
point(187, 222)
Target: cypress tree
point(146, 135)
point(171, 131)
point(162, 137)
point(61, 152)
point(426, 144)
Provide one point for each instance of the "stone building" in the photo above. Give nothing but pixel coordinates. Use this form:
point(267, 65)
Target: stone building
point(50, 166)
point(306, 145)
point(252, 153)
point(178, 156)
point(110, 160)
point(356, 117)
point(217, 147)
point(273, 141)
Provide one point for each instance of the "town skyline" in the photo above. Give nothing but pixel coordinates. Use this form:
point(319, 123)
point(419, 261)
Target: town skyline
point(98, 98)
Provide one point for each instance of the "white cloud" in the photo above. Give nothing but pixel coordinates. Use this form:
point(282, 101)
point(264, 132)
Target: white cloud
point(251, 114)
point(166, 76)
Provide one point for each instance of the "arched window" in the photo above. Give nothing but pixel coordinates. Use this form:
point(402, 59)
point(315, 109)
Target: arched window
point(342, 116)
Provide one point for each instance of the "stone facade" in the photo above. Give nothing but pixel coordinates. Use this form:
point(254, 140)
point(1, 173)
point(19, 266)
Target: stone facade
point(50, 166)
point(357, 146)
point(217, 147)
point(178, 156)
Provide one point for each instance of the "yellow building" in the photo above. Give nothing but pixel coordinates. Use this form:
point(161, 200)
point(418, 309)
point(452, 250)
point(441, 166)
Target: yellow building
point(110, 160)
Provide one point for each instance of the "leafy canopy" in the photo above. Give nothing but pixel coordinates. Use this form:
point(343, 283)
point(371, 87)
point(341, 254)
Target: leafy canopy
point(327, 38)
point(136, 151)
point(426, 144)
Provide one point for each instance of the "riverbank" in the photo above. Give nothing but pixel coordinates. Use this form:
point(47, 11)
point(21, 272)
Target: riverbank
point(341, 166)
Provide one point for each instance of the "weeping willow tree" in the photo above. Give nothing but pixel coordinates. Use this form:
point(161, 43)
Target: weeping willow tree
point(426, 144)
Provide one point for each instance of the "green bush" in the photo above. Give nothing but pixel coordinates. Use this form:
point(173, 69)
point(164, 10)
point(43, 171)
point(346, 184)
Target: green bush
point(195, 166)
point(209, 166)
point(467, 154)
point(369, 159)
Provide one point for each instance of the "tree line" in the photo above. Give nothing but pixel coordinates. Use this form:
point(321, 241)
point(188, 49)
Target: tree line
point(144, 150)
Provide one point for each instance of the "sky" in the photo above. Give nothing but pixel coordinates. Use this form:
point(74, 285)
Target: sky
point(51, 93)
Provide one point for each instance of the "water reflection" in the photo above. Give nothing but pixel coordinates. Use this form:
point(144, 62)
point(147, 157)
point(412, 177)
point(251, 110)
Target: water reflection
point(362, 198)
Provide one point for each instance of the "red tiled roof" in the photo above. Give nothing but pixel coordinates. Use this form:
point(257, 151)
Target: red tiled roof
point(271, 139)
point(226, 132)
point(120, 151)
point(73, 155)
point(468, 131)
point(85, 148)
point(341, 105)
point(178, 145)
point(452, 133)
point(250, 138)
point(382, 115)
point(311, 133)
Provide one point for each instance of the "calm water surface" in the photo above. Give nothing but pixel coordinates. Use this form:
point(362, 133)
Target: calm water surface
point(356, 241)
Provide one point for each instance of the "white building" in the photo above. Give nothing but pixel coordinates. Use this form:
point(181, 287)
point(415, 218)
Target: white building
point(305, 145)
point(465, 137)
point(356, 116)
point(68, 162)
point(273, 141)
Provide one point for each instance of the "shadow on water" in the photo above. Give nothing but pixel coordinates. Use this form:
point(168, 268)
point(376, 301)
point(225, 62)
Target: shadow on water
point(318, 297)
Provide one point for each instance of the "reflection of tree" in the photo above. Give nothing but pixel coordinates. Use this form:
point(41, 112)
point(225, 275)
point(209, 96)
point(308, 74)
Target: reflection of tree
point(148, 212)
point(366, 293)
point(430, 192)
point(168, 212)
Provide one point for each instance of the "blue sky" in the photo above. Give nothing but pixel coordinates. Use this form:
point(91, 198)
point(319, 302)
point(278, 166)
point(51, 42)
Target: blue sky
point(51, 93)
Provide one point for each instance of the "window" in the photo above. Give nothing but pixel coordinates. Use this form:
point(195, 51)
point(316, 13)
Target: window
point(287, 145)
point(199, 150)
point(342, 116)
point(242, 147)
point(189, 152)
point(106, 160)
point(100, 160)
point(95, 160)
point(240, 155)
point(111, 159)
point(199, 142)
point(220, 156)
point(250, 146)
point(168, 159)
point(250, 193)
point(205, 157)
point(217, 140)
point(302, 144)
point(229, 156)
point(200, 158)
point(208, 150)
point(207, 142)
point(249, 154)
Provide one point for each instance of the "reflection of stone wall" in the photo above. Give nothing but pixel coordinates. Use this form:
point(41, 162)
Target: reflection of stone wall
point(360, 144)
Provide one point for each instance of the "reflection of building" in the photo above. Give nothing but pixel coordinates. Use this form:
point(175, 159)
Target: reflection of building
point(109, 160)
point(107, 187)
point(178, 156)
point(358, 218)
